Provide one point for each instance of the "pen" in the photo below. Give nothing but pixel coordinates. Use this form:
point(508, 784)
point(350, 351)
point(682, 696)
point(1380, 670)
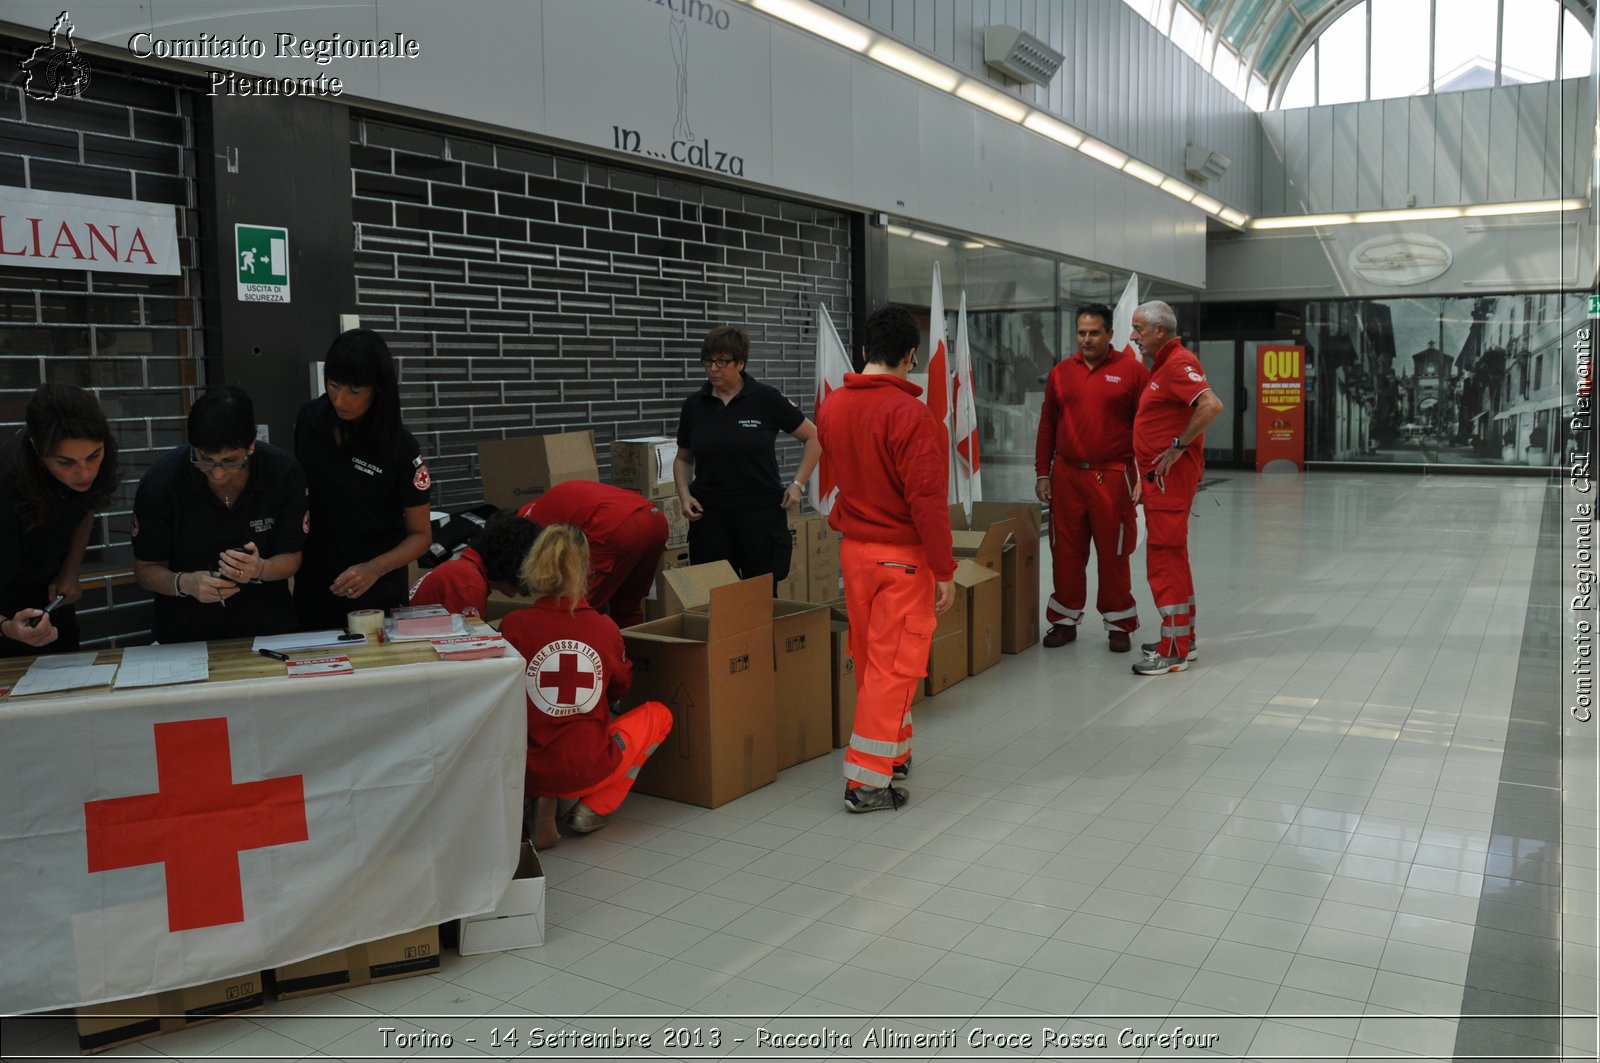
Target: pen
point(351, 638)
point(274, 654)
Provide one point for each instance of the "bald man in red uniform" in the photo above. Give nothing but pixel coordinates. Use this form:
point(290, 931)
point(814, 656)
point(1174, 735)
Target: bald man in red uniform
point(1168, 445)
point(1084, 463)
point(889, 457)
point(627, 535)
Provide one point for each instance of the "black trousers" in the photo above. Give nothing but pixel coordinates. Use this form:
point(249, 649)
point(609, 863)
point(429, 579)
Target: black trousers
point(754, 541)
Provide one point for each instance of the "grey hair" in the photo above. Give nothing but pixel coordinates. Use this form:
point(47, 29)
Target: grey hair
point(1158, 313)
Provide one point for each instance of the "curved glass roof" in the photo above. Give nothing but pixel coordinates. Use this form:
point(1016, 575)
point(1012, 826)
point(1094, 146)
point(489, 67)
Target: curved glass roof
point(1253, 46)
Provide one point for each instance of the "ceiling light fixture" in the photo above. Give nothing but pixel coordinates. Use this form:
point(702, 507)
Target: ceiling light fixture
point(823, 23)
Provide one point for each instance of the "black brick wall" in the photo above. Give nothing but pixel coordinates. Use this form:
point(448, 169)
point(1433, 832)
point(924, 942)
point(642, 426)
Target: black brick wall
point(525, 291)
point(135, 341)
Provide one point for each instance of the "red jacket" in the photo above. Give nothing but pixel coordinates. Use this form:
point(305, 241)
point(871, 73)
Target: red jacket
point(461, 586)
point(1167, 404)
point(575, 668)
point(1088, 412)
point(888, 456)
point(595, 508)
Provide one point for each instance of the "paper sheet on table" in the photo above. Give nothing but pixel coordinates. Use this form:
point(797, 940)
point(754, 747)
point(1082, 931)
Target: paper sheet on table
point(306, 640)
point(458, 627)
point(69, 671)
point(154, 666)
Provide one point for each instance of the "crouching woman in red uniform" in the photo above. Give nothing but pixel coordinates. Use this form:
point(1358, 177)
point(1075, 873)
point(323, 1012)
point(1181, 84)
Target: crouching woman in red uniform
point(576, 668)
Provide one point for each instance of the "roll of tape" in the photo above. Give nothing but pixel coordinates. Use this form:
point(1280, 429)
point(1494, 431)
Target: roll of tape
point(368, 622)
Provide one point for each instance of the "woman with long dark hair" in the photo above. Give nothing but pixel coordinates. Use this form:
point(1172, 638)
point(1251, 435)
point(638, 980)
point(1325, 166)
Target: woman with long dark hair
point(55, 475)
point(368, 484)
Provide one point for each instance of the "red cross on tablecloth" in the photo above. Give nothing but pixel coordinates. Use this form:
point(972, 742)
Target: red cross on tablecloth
point(567, 679)
point(196, 824)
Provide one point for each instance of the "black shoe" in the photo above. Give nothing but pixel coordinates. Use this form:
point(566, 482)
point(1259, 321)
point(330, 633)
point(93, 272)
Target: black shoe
point(873, 798)
point(902, 769)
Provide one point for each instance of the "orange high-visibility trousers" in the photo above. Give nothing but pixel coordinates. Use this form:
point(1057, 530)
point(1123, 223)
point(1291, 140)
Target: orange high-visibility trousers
point(637, 732)
point(1167, 502)
point(888, 592)
point(1091, 505)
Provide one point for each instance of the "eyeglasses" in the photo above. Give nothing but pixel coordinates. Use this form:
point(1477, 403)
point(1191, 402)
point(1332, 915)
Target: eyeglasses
point(207, 465)
point(720, 363)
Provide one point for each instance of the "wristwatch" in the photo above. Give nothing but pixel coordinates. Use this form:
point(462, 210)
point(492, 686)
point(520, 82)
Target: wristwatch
point(1177, 444)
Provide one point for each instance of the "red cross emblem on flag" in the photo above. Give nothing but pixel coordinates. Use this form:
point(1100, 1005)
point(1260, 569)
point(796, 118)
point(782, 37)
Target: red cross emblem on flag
point(196, 824)
point(565, 678)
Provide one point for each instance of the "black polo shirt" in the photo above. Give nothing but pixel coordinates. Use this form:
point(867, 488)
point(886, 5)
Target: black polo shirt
point(734, 445)
point(33, 547)
point(359, 495)
point(177, 521)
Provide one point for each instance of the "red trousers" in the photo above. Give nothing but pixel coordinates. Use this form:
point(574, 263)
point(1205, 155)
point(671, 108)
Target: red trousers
point(888, 592)
point(637, 733)
point(622, 569)
point(1167, 503)
point(1091, 505)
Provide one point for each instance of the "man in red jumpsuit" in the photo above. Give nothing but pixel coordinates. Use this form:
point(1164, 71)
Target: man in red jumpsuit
point(627, 535)
point(1084, 462)
point(889, 457)
point(1168, 448)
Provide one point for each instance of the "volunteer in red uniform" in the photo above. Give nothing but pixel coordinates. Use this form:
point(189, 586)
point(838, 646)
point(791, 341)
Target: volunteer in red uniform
point(1084, 462)
point(576, 668)
point(1168, 440)
point(627, 535)
point(493, 561)
point(888, 456)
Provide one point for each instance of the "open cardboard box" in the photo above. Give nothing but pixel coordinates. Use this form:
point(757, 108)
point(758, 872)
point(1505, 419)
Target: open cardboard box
point(981, 588)
point(714, 670)
point(1014, 554)
point(516, 471)
point(947, 656)
point(844, 675)
point(517, 922)
point(801, 659)
point(120, 1022)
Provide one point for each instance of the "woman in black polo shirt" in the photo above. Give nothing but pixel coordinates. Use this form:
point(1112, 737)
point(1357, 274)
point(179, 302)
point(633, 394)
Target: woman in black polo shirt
point(727, 465)
point(54, 476)
point(217, 528)
point(369, 486)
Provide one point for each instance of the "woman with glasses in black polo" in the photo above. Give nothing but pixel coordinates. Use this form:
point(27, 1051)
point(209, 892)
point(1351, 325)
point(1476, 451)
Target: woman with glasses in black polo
point(727, 466)
point(218, 525)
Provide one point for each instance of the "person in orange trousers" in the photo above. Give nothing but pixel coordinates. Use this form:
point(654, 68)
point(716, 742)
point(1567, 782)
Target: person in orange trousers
point(576, 668)
point(889, 457)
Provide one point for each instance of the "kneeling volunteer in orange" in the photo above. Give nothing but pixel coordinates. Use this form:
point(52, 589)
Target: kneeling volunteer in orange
point(576, 668)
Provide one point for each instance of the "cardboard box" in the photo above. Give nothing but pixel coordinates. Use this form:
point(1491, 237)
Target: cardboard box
point(981, 587)
point(823, 581)
point(1018, 565)
point(714, 670)
point(656, 602)
point(844, 676)
point(517, 922)
point(103, 1026)
point(645, 465)
point(802, 654)
point(801, 662)
point(385, 960)
point(947, 657)
point(793, 587)
point(516, 471)
point(500, 605)
point(677, 523)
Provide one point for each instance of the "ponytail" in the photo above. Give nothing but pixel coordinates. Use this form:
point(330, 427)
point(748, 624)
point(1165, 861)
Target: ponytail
point(558, 564)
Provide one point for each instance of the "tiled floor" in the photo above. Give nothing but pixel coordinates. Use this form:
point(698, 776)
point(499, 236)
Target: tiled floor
point(1325, 840)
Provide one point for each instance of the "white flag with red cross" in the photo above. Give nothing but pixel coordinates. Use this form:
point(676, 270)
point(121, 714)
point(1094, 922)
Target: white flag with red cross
point(1122, 317)
point(968, 468)
point(168, 837)
point(939, 377)
point(832, 364)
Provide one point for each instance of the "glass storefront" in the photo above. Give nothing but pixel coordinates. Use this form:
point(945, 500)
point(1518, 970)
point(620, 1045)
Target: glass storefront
point(1021, 321)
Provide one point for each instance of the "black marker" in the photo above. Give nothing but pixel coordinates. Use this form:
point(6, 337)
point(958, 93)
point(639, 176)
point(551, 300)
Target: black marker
point(351, 638)
point(57, 600)
point(274, 654)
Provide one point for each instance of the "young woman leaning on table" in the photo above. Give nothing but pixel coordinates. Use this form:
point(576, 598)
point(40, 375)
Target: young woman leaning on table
point(577, 752)
point(369, 486)
point(217, 528)
point(54, 476)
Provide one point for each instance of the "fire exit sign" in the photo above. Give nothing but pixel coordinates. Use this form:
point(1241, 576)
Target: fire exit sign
point(261, 260)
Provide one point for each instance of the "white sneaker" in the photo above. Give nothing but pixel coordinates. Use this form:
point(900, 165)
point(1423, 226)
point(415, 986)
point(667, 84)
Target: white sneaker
point(1155, 664)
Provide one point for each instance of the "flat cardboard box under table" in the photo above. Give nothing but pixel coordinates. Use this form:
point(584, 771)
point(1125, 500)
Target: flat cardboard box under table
point(120, 1022)
point(385, 960)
